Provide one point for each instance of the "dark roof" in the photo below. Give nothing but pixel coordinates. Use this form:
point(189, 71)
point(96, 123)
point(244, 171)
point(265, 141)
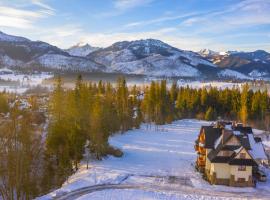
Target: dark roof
point(227, 134)
point(257, 139)
point(247, 162)
point(230, 147)
point(213, 155)
point(221, 159)
point(244, 141)
point(211, 135)
point(243, 129)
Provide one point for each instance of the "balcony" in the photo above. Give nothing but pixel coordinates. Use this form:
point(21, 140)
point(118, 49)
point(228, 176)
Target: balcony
point(196, 147)
point(200, 163)
point(202, 150)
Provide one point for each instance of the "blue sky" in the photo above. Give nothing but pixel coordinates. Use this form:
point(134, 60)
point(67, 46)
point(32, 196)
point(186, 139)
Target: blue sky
point(220, 25)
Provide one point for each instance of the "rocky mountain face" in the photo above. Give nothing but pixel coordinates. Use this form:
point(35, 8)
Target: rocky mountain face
point(141, 57)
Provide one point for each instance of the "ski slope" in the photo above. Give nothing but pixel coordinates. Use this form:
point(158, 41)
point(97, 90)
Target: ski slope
point(157, 164)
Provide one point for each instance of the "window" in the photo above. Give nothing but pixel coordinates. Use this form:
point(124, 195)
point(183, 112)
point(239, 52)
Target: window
point(242, 155)
point(242, 168)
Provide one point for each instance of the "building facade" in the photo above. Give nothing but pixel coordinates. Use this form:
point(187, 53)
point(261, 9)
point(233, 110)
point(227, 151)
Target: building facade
point(226, 154)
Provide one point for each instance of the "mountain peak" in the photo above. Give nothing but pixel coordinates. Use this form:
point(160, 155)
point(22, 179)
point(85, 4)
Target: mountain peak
point(81, 49)
point(208, 52)
point(81, 44)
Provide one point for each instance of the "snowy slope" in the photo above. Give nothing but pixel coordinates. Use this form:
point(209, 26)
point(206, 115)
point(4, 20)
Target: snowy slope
point(157, 164)
point(81, 50)
point(56, 61)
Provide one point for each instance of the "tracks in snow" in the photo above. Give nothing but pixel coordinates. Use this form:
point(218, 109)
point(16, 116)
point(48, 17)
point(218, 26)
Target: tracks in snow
point(180, 185)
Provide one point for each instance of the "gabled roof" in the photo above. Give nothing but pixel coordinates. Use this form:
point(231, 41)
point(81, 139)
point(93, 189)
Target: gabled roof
point(235, 149)
point(244, 141)
point(211, 135)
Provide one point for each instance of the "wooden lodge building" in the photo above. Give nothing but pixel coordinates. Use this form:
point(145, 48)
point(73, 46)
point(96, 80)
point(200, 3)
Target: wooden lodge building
point(227, 154)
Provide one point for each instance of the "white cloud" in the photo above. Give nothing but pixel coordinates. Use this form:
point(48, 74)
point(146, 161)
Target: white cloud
point(43, 5)
point(11, 16)
point(245, 13)
point(14, 22)
point(122, 6)
point(14, 12)
point(161, 19)
point(127, 4)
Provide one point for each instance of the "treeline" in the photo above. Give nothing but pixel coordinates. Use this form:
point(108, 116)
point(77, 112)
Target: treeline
point(162, 104)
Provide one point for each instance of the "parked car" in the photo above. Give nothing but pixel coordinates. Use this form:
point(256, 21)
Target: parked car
point(260, 176)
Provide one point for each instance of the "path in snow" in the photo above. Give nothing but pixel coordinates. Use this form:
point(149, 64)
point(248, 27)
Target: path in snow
point(155, 163)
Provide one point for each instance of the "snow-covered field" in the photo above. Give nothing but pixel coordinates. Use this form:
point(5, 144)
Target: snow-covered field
point(22, 82)
point(157, 164)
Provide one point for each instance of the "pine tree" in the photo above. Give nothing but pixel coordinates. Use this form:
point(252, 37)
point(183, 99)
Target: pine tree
point(244, 104)
point(210, 114)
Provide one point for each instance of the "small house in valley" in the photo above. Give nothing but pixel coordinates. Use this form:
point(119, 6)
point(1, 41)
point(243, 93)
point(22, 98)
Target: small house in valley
point(228, 154)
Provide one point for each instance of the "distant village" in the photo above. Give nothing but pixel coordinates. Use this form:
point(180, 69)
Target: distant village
point(230, 154)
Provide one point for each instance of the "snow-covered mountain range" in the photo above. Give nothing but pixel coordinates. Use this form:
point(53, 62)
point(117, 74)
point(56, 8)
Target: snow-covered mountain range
point(151, 57)
point(254, 64)
point(21, 52)
point(141, 57)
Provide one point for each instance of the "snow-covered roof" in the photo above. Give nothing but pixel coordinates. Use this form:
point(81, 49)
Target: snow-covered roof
point(237, 132)
point(217, 142)
point(228, 126)
point(257, 149)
